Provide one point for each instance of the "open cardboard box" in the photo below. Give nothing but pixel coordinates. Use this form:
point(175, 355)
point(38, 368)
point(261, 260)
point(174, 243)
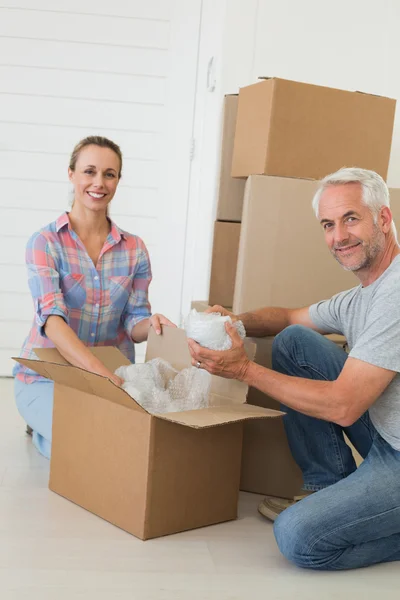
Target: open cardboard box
point(151, 475)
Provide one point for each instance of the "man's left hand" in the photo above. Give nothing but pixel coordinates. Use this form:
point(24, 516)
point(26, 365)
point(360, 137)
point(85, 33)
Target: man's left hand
point(231, 364)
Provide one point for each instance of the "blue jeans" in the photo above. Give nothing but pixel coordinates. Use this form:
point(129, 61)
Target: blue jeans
point(353, 519)
point(35, 405)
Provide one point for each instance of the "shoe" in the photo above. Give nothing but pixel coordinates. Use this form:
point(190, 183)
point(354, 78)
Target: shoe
point(29, 430)
point(271, 507)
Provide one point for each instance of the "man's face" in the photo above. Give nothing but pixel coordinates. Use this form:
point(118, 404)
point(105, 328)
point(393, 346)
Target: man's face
point(350, 232)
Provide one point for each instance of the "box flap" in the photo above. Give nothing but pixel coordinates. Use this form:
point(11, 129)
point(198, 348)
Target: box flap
point(172, 346)
point(76, 378)
point(219, 415)
point(110, 356)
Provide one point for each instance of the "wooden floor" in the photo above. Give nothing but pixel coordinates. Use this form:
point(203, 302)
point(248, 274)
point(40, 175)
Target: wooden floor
point(53, 550)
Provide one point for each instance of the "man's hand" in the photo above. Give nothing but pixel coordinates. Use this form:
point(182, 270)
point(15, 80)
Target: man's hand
point(220, 309)
point(231, 364)
point(157, 320)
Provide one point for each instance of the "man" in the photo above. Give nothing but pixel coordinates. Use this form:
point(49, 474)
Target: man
point(349, 517)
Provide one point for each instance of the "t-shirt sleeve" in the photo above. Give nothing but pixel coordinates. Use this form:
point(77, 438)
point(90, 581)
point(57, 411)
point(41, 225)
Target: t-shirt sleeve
point(379, 343)
point(325, 314)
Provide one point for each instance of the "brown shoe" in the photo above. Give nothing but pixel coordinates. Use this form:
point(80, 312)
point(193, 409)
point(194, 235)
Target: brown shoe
point(29, 430)
point(271, 507)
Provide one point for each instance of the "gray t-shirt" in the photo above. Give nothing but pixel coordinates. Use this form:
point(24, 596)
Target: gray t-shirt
point(369, 318)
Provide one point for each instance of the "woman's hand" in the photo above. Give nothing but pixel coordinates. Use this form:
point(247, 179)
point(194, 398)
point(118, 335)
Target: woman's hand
point(141, 330)
point(157, 320)
point(117, 380)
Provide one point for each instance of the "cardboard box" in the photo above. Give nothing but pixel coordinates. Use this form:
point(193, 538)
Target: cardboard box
point(283, 259)
point(268, 466)
point(292, 129)
point(231, 190)
point(395, 205)
point(151, 475)
point(224, 262)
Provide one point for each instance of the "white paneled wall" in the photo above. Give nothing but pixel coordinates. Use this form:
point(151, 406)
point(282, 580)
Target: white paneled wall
point(352, 45)
point(125, 70)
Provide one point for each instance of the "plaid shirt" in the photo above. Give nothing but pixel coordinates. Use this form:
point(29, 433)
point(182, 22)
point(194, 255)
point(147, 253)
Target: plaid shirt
point(101, 305)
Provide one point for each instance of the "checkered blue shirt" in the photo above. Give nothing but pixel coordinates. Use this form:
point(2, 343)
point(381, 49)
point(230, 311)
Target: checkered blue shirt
point(102, 303)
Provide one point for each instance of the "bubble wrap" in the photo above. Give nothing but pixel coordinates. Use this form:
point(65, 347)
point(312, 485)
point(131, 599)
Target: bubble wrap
point(159, 388)
point(208, 329)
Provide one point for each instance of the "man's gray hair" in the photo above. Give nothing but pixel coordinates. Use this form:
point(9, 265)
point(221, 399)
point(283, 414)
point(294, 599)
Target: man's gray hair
point(375, 193)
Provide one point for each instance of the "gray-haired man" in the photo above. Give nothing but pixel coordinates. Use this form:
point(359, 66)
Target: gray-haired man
point(349, 517)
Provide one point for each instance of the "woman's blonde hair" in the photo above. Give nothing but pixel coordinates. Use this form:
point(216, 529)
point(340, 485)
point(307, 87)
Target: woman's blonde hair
point(95, 140)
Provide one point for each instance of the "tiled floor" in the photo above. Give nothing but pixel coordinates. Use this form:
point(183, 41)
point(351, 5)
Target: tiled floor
point(53, 550)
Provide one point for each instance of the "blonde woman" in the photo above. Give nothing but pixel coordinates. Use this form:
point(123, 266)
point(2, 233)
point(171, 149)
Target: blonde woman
point(89, 281)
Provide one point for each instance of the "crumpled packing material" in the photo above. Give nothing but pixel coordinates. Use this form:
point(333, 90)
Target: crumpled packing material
point(208, 329)
point(159, 388)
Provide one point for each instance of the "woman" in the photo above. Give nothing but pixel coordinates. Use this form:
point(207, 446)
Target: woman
point(89, 281)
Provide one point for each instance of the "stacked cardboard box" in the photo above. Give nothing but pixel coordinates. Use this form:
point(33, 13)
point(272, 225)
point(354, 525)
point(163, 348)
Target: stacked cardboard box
point(286, 136)
point(287, 133)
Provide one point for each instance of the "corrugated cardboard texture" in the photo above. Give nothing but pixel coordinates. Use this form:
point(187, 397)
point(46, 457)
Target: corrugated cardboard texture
point(219, 415)
point(224, 261)
point(395, 206)
point(110, 356)
point(267, 463)
point(80, 380)
point(231, 191)
point(254, 114)
point(194, 477)
point(291, 129)
point(142, 473)
point(100, 457)
point(283, 259)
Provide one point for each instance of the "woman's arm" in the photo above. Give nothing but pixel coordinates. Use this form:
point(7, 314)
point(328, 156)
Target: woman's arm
point(73, 350)
point(51, 311)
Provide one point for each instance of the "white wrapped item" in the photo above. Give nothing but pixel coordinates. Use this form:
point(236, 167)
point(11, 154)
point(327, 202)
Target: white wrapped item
point(160, 388)
point(208, 329)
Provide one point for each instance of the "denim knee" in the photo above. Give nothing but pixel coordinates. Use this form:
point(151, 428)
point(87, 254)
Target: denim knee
point(301, 537)
point(289, 535)
point(287, 340)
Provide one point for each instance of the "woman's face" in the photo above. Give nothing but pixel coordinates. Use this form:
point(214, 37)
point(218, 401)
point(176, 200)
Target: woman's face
point(96, 177)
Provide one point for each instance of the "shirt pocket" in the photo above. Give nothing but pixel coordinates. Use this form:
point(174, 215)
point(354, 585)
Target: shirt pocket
point(74, 290)
point(120, 288)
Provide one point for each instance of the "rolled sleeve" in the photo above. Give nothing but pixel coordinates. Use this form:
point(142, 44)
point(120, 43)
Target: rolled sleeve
point(44, 282)
point(138, 306)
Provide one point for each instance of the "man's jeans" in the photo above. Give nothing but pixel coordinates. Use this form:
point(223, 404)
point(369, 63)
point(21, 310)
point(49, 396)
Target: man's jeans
point(354, 518)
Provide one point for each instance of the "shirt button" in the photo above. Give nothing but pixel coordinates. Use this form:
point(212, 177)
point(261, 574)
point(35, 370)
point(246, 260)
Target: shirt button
point(92, 334)
point(96, 277)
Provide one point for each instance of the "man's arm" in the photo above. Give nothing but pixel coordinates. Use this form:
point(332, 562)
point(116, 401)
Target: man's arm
point(341, 401)
point(270, 320)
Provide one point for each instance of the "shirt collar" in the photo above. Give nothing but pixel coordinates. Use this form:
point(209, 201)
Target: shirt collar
point(116, 233)
point(62, 221)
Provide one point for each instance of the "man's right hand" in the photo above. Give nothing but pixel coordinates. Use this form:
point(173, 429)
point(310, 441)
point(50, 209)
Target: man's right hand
point(220, 309)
